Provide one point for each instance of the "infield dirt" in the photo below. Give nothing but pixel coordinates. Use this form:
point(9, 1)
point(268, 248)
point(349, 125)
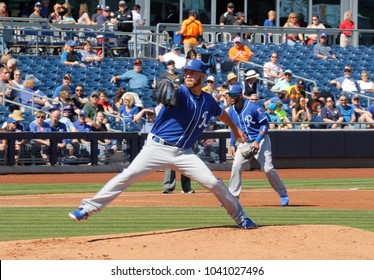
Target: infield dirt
point(266, 243)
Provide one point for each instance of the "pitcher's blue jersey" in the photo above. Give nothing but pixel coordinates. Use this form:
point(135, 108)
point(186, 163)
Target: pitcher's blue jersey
point(250, 119)
point(183, 125)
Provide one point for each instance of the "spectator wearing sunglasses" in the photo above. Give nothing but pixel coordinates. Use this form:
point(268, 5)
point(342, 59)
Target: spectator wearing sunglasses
point(362, 115)
point(346, 83)
point(79, 97)
point(283, 84)
point(366, 86)
point(312, 38)
point(272, 69)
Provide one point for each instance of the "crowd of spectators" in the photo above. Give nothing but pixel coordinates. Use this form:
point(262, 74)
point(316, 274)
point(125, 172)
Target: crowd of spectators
point(72, 109)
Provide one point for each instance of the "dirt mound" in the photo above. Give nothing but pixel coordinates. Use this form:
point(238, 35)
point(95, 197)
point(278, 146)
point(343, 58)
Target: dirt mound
point(220, 243)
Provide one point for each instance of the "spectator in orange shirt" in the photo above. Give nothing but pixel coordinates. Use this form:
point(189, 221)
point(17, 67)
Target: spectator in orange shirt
point(239, 52)
point(345, 37)
point(296, 91)
point(191, 30)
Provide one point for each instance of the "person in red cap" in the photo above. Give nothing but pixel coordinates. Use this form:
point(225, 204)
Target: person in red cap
point(136, 77)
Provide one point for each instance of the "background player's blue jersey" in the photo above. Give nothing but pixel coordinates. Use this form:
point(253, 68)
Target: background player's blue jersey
point(183, 125)
point(250, 119)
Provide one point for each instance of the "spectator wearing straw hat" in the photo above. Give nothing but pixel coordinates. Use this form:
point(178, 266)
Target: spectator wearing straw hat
point(232, 78)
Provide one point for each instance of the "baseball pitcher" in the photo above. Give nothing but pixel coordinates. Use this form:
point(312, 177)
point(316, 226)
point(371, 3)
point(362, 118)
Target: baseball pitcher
point(180, 122)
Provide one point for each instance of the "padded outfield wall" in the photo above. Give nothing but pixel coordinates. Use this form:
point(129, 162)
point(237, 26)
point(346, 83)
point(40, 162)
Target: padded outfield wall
point(291, 149)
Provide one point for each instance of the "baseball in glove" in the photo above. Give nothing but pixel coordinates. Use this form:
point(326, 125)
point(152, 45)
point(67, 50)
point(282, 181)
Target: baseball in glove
point(247, 150)
point(166, 93)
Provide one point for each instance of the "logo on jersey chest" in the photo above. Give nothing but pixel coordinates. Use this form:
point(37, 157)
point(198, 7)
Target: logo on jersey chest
point(248, 120)
point(204, 120)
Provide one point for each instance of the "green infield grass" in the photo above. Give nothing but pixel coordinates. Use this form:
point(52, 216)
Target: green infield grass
point(19, 223)
point(51, 222)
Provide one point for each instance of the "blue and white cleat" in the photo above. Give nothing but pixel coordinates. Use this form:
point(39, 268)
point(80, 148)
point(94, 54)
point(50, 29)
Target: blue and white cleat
point(78, 215)
point(247, 223)
point(284, 200)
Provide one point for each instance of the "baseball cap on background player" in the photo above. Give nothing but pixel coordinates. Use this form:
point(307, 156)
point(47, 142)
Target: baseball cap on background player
point(237, 39)
point(71, 43)
point(230, 5)
point(300, 83)
point(106, 9)
point(323, 35)
point(272, 106)
point(11, 120)
point(82, 113)
point(195, 65)
point(122, 3)
point(138, 62)
point(211, 79)
point(99, 7)
point(31, 77)
point(316, 90)
point(38, 4)
point(176, 47)
point(69, 109)
point(170, 62)
point(94, 94)
point(54, 107)
point(235, 90)
point(288, 71)
point(348, 67)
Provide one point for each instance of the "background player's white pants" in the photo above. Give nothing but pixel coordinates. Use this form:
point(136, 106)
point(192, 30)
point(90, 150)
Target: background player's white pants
point(155, 156)
point(264, 158)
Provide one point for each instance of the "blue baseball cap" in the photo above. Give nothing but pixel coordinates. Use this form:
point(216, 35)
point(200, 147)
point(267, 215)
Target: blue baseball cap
point(71, 43)
point(54, 107)
point(11, 120)
point(272, 106)
point(235, 90)
point(195, 65)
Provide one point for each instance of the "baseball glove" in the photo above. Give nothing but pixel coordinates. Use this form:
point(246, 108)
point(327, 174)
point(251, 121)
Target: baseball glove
point(166, 93)
point(247, 150)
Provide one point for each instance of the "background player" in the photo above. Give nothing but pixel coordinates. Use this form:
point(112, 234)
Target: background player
point(169, 145)
point(248, 116)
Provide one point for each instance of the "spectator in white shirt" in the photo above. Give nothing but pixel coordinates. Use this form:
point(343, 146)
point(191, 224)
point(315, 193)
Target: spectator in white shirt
point(366, 86)
point(136, 16)
point(176, 55)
